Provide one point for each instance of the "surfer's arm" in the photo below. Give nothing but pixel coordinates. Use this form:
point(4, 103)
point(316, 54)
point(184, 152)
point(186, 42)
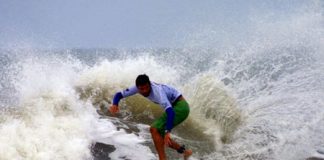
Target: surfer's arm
point(170, 117)
point(169, 111)
point(118, 96)
point(123, 94)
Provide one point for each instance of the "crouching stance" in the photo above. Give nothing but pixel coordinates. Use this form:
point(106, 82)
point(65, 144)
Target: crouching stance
point(176, 111)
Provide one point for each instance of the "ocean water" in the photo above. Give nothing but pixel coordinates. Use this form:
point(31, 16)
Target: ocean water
point(261, 98)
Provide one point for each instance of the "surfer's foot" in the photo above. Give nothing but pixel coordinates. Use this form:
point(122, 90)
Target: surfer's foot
point(187, 153)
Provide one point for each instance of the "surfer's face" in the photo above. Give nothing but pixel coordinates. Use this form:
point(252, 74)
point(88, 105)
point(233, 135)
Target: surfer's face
point(144, 89)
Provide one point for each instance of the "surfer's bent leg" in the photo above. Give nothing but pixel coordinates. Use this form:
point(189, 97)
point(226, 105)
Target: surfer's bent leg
point(157, 132)
point(181, 109)
point(158, 142)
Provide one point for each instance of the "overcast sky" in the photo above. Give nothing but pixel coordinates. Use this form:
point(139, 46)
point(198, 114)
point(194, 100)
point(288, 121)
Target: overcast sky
point(128, 23)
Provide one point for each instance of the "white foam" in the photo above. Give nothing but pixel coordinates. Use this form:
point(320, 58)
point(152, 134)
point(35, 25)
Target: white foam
point(127, 145)
point(118, 74)
point(51, 121)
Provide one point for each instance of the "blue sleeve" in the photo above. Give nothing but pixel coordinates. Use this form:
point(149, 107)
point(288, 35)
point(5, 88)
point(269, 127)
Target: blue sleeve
point(118, 96)
point(125, 93)
point(170, 118)
point(129, 91)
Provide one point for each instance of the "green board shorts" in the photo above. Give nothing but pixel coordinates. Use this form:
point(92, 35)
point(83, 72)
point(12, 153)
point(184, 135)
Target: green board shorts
point(181, 109)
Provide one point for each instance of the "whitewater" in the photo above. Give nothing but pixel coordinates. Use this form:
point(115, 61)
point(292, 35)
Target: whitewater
point(261, 98)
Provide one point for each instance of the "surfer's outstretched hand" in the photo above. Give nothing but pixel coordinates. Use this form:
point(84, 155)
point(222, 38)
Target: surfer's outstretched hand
point(113, 109)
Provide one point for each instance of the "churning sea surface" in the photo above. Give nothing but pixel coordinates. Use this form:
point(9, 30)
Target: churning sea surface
point(261, 99)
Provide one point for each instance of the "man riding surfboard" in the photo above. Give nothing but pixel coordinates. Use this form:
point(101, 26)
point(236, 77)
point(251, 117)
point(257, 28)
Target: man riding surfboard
point(176, 111)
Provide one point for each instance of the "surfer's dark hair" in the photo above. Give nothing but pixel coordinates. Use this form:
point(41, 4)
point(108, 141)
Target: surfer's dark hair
point(142, 79)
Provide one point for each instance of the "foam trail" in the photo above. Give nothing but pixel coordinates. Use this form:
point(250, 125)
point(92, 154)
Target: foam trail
point(51, 122)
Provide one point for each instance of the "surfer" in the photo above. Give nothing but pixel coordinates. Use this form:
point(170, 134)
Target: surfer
point(176, 111)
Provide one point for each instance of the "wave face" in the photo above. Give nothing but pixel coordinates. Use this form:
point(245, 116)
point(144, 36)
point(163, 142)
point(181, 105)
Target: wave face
point(261, 98)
